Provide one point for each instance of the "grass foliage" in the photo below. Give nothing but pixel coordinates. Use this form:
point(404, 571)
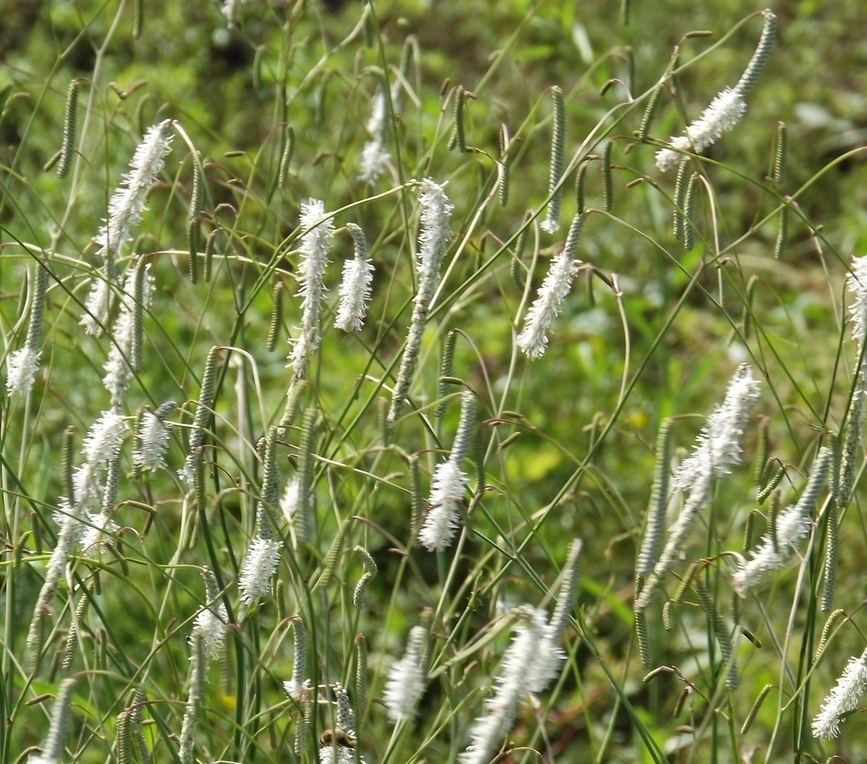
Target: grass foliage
point(268, 592)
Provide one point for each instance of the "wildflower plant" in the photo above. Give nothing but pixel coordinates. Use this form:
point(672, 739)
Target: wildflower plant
point(308, 398)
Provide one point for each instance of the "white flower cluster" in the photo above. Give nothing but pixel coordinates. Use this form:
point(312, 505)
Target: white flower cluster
point(117, 367)
point(260, 564)
point(533, 339)
point(436, 209)
point(355, 286)
point(22, 367)
point(128, 201)
point(125, 211)
point(448, 486)
point(291, 499)
point(718, 449)
point(719, 442)
point(446, 500)
point(374, 155)
point(724, 112)
point(856, 283)
point(210, 622)
point(317, 229)
point(844, 698)
point(405, 683)
point(530, 663)
point(152, 441)
point(792, 527)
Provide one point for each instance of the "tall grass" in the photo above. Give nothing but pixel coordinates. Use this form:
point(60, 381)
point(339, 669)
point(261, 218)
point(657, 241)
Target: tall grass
point(331, 396)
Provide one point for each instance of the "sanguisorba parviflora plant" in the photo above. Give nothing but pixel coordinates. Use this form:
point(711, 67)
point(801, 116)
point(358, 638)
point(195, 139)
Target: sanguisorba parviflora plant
point(363, 493)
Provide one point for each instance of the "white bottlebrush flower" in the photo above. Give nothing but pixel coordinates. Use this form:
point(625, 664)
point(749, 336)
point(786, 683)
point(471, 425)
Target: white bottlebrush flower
point(446, 502)
point(98, 531)
point(856, 282)
point(448, 485)
point(263, 556)
point(54, 746)
point(842, 699)
point(152, 443)
point(793, 526)
point(344, 754)
point(311, 270)
point(520, 663)
point(719, 443)
point(724, 112)
point(85, 484)
point(405, 683)
point(355, 286)
point(128, 201)
point(558, 281)
point(21, 371)
point(117, 367)
point(96, 306)
point(436, 209)
point(374, 155)
point(376, 123)
point(187, 473)
point(23, 364)
point(291, 498)
point(210, 624)
point(125, 210)
point(103, 440)
point(374, 158)
point(717, 449)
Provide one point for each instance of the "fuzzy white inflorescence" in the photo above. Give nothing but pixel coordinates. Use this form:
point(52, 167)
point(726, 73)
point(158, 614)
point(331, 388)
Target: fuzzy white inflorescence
point(355, 286)
point(374, 159)
point(103, 440)
point(374, 155)
point(263, 556)
point(210, 624)
point(311, 270)
point(718, 448)
point(526, 659)
point(724, 112)
point(405, 683)
point(436, 209)
point(53, 748)
point(533, 339)
point(21, 371)
point(448, 485)
point(128, 201)
point(345, 754)
point(117, 367)
point(291, 499)
point(719, 442)
point(124, 212)
point(842, 699)
point(97, 533)
point(153, 442)
point(856, 283)
point(446, 501)
point(792, 527)
point(853, 434)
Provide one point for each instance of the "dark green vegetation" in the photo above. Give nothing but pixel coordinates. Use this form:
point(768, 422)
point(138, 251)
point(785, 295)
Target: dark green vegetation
point(567, 442)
